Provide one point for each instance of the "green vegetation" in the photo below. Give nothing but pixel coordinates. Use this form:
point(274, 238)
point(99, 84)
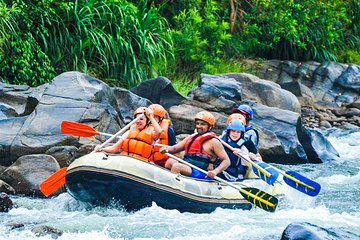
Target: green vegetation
point(125, 42)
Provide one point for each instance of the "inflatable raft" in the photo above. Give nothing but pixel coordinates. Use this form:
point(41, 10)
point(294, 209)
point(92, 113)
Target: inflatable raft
point(102, 179)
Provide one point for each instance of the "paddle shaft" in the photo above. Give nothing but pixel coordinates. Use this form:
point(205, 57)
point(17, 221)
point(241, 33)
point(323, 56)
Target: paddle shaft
point(121, 131)
point(264, 171)
point(221, 180)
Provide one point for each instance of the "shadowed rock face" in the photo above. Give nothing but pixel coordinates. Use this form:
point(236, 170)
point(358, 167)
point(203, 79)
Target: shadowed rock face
point(300, 231)
point(5, 202)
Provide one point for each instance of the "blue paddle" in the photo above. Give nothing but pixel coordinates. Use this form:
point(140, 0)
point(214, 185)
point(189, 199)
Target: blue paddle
point(270, 173)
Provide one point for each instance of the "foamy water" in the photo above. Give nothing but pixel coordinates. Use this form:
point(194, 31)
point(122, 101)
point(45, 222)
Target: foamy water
point(336, 207)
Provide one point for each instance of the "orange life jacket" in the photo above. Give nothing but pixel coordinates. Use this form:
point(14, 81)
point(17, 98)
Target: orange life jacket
point(138, 144)
point(194, 145)
point(163, 139)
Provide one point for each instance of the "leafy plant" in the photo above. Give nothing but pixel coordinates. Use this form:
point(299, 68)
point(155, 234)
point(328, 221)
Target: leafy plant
point(298, 30)
point(25, 63)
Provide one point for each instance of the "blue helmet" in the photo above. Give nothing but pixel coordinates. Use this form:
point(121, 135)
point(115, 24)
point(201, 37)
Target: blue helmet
point(244, 109)
point(237, 125)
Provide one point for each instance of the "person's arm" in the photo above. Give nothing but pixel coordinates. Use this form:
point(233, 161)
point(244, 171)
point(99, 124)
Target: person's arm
point(113, 148)
point(175, 148)
point(219, 151)
point(155, 124)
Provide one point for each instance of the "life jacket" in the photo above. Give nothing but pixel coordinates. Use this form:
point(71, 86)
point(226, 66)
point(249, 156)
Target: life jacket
point(194, 152)
point(235, 167)
point(163, 139)
point(138, 144)
point(249, 135)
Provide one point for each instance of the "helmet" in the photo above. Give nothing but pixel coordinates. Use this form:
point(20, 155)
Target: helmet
point(158, 110)
point(237, 125)
point(206, 117)
point(139, 110)
point(244, 109)
point(236, 116)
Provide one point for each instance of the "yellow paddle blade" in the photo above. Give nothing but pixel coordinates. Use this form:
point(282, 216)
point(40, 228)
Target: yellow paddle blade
point(260, 198)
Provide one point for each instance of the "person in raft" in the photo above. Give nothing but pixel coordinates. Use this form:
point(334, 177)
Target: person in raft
point(167, 137)
point(235, 138)
point(251, 133)
point(201, 149)
point(138, 141)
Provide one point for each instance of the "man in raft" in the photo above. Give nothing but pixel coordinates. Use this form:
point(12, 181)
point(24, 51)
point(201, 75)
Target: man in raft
point(201, 149)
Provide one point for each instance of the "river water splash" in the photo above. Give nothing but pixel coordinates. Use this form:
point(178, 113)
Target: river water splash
point(336, 208)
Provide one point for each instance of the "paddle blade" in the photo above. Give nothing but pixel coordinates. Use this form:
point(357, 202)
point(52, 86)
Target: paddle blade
point(54, 182)
point(264, 166)
point(78, 129)
point(302, 183)
point(260, 198)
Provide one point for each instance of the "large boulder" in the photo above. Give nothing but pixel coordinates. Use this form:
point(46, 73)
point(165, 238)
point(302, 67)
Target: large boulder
point(159, 90)
point(70, 96)
point(26, 174)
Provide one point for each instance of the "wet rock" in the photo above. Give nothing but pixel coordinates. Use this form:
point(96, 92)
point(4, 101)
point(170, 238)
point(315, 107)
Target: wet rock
point(28, 172)
point(5, 202)
point(41, 231)
point(308, 231)
point(325, 124)
point(6, 188)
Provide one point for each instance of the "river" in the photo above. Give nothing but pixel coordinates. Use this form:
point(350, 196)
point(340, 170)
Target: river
point(336, 207)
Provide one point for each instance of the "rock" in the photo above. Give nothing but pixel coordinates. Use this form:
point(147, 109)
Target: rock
point(28, 172)
point(5, 202)
point(348, 112)
point(128, 102)
point(6, 188)
point(64, 155)
point(159, 90)
point(350, 78)
point(325, 124)
point(266, 92)
point(42, 231)
point(301, 231)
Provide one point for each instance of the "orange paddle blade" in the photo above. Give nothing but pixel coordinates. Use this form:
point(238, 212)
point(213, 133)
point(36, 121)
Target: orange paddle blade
point(78, 129)
point(54, 182)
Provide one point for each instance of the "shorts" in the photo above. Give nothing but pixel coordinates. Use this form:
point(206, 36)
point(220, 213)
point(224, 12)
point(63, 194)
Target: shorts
point(199, 175)
point(161, 163)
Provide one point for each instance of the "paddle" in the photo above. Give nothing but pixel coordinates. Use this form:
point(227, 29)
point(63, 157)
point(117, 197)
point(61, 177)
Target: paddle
point(57, 179)
point(80, 129)
point(266, 173)
point(255, 196)
point(292, 178)
point(54, 182)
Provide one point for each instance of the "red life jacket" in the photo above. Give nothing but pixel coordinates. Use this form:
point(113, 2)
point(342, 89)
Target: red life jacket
point(138, 144)
point(194, 145)
point(163, 139)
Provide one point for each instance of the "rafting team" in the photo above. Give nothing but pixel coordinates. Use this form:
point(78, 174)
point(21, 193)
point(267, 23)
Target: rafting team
point(152, 136)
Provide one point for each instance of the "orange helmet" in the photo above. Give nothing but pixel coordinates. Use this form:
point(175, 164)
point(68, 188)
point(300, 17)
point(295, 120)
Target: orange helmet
point(236, 116)
point(139, 110)
point(206, 117)
point(158, 110)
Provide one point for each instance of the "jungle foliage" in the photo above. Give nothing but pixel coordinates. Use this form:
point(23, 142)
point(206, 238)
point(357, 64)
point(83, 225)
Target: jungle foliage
point(125, 42)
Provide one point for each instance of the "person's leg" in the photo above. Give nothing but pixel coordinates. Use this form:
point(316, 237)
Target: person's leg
point(181, 168)
point(169, 163)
